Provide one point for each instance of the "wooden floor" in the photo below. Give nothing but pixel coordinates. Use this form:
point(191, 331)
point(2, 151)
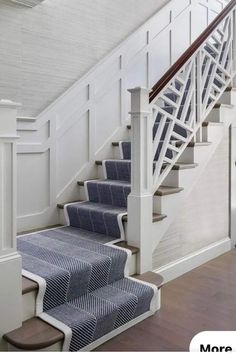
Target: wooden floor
point(203, 299)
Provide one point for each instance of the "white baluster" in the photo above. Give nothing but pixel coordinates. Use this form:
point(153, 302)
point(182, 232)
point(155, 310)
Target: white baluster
point(10, 260)
point(140, 201)
point(199, 86)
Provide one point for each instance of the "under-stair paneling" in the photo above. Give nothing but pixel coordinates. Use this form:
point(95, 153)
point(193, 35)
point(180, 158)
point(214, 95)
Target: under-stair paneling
point(203, 218)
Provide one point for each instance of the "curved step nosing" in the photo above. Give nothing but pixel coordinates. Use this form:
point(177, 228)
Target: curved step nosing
point(23, 344)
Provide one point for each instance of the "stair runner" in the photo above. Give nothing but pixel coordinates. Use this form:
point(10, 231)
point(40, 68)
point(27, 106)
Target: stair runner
point(83, 286)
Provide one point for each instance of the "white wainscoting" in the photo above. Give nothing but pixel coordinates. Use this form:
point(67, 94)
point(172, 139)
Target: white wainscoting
point(62, 143)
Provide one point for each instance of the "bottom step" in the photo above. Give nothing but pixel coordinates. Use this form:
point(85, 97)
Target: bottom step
point(36, 334)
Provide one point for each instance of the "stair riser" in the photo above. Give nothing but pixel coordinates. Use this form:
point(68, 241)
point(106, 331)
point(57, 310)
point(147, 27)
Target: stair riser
point(214, 116)
point(210, 133)
point(116, 153)
point(177, 178)
point(228, 97)
point(194, 154)
point(29, 305)
point(161, 204)
point(187, 156)
point(219, 114)
point(100, 172)
point(133, 260)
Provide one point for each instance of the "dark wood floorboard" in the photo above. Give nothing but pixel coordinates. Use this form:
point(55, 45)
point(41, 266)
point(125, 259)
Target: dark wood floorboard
point(203, 299)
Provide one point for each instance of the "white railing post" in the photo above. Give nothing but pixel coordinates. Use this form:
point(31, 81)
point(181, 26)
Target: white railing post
point(140, 200)
point(10, 260)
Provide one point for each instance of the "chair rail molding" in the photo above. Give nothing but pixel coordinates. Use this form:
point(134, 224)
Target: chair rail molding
point(28, 3)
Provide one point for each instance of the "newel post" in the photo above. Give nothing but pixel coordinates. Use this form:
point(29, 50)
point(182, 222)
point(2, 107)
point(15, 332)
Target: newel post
point(10, 260)
point(140, 200)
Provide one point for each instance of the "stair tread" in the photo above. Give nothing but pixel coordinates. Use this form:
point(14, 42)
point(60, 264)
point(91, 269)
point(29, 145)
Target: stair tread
point(34, 334)
point(168, 190)
point(116, 144)
point(156, 217)
point(177, 166)
point(206, 124)
point(229, 88)
point(193, 144)
point(104, 181)
point(218, 105)
point(161, 191)
point(62, 204)
point(183, 166)
point(28, 285)
point(39, 229)
point(152, 277)
point(123, 244)
point(177, 143)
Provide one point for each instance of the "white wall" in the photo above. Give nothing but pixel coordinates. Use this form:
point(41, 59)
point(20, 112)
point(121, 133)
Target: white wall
point(61, 145)
point(204, 217)
point(44, 50)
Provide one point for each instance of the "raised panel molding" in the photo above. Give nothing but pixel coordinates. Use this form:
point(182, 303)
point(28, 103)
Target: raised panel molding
point(29, 3)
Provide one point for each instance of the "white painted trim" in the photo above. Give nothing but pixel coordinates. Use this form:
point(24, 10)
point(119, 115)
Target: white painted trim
point(28, 3)
point(39, 231)
point(26, 119)
point(181, 266)
point(41, 291)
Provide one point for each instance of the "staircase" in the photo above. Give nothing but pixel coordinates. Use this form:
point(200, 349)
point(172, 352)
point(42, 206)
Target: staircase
point(81, 291)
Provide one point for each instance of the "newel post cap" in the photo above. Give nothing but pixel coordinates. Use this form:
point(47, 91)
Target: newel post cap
point(140, 100)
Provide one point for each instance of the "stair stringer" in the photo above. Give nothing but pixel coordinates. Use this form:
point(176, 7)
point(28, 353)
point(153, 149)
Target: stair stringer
point(188, 178)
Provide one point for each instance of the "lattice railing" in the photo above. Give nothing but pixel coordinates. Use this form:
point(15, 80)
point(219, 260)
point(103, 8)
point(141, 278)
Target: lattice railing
point(180, 108)
point(165, 120)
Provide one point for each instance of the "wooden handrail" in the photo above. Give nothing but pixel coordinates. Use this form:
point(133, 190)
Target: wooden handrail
point(189, 52)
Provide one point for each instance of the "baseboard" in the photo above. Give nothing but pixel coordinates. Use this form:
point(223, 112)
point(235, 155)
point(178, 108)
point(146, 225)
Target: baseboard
point(181, 266)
